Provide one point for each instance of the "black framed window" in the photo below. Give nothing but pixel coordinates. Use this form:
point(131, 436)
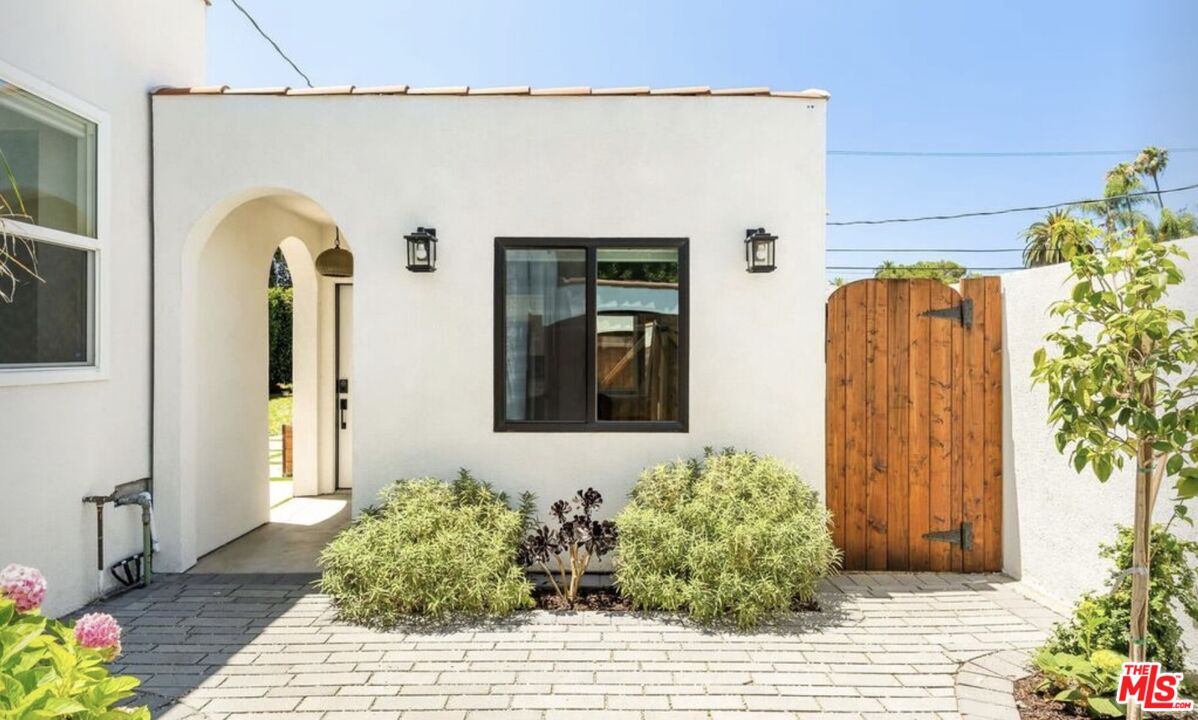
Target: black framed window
point(591, 334)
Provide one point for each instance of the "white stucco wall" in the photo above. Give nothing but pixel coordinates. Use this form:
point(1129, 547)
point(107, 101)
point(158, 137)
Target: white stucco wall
point(476, 168)
point(1054, 518)
point(59, 442)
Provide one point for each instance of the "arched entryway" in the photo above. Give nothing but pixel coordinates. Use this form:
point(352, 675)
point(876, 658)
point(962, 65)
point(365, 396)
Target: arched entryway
point(211, 459)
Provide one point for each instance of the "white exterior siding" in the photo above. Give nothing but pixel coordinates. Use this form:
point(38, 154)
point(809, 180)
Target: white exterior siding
point(60, 442)
point(476, 168)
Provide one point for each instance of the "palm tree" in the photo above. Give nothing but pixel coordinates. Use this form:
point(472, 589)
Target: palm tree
point(1175, 225)
point(1121, 181)
point(1152, 162)
point(1056, 238)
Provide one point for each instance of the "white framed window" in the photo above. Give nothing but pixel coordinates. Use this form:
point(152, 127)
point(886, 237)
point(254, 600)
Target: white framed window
point(53, 183)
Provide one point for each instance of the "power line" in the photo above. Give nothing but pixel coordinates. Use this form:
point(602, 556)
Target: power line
point(924, 250)
point(996, 154)
point(270, 40)
point(1007, 211)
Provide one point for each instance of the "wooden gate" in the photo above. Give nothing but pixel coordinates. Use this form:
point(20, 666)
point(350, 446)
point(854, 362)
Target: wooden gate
point(914, 424)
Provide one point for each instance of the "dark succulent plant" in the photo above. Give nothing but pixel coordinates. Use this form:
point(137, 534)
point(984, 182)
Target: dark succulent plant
point(577, 539)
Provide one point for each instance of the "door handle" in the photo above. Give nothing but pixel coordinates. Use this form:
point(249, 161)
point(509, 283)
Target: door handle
point(344, 406)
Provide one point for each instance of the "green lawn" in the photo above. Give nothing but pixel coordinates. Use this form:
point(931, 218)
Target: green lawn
point(279, 413)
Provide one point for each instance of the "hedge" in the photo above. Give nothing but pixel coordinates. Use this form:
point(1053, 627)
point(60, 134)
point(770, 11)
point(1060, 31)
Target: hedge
point(279, 304)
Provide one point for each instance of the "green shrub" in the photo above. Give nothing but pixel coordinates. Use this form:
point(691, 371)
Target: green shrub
point(732, 535)
point(1100, 619)
point(1088, 683)
point(430, 549)
point(279, 307)
point(50, 669)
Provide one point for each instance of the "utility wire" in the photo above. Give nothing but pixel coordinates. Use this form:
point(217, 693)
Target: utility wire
point(1007, 211)
point(997, 154)
point(270, 40)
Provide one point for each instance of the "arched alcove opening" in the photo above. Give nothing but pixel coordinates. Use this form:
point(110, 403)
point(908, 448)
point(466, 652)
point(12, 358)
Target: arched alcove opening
point(221, 490)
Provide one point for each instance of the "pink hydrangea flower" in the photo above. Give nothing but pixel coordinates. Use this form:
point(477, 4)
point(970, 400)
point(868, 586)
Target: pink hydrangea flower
point(99, 631)
point(25, 586)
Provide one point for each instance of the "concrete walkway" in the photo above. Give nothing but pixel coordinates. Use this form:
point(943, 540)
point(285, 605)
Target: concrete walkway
point(883, 646)
point(290, 543)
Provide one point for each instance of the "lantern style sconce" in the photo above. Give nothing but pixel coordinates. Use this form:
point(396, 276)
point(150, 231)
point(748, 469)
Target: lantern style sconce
point(759, 250)
point(336, 262)
point(422, 250)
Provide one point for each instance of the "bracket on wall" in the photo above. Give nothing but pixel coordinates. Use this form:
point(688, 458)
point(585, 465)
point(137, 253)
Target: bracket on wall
point(963, 536)
point(962, 313)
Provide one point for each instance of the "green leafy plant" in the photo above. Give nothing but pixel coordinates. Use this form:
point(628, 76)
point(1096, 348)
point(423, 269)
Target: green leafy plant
point(1122, 385)
point(732, 535)
point(50, 669)
point(1100, 620)
point(430, 549)
point(1085, 682)
point(578, 538)
point(279, 303)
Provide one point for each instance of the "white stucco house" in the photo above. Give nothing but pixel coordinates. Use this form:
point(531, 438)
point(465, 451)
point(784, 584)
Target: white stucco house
point(570, 224)
point(588, 310)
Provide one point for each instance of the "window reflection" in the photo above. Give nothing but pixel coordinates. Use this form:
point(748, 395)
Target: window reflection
point(637, 334)
point(51, 153)
point(545, 334)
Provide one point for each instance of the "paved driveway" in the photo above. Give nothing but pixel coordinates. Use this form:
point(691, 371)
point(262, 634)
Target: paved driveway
point(892, 645)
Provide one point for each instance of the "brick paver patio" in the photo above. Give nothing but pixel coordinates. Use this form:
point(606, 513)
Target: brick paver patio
point(883, 645)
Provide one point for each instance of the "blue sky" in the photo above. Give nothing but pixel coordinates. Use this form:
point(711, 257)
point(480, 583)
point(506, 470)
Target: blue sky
point(904, 76)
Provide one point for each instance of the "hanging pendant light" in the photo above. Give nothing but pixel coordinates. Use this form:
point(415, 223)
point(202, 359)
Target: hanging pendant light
point(336, 262)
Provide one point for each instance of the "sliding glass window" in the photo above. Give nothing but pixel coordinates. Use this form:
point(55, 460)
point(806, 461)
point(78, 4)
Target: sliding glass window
point(48, 233)
point(590, 335)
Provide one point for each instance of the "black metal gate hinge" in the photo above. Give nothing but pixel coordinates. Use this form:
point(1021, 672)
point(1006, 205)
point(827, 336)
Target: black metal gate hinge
point(962, 536)
point(962, 313)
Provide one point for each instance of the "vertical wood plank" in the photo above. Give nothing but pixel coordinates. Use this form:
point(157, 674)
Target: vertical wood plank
point(941, 425)
point(992, 499)
point(835, 416)
point(856, 433)
point(898, 427)
point(958, 557)
point(878, 367)
point(973, 424)
point(918, 480)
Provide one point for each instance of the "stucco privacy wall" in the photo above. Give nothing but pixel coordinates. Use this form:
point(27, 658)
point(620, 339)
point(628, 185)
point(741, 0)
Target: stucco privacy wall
point(480, 167)
point(59, 442)
point(1054, 518)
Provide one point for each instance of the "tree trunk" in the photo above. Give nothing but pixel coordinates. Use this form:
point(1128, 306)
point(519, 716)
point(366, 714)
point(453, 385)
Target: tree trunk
point(1140, 559)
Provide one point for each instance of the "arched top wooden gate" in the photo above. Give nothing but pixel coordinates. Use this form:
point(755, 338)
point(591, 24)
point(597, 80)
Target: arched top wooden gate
point(914, 424)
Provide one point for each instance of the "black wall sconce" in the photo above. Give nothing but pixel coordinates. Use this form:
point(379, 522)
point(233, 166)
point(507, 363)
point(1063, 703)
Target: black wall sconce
point(759, 250)
point(422, 250)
